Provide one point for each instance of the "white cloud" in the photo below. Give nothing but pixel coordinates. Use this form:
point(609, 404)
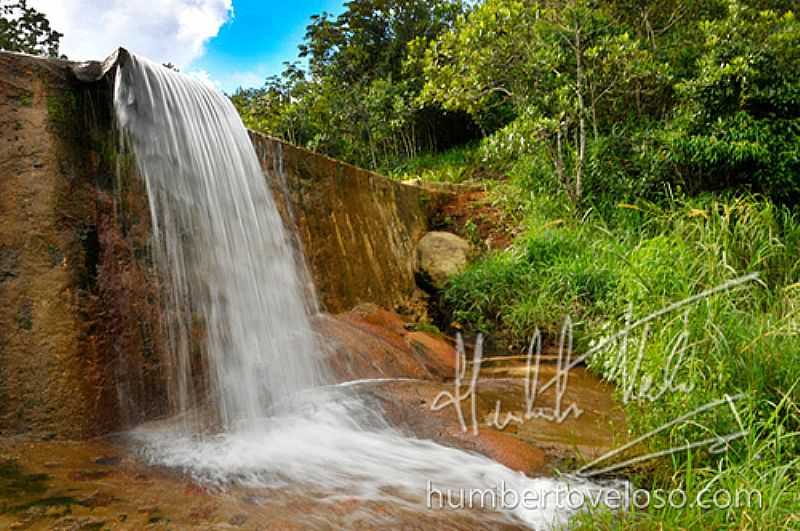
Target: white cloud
point(204, 77)
point(162, 30)
point(248, 79)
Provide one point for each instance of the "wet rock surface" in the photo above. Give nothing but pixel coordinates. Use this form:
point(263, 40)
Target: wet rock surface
point(133, 496)
point(100, 484)
point(413, 368)
point(370, 342)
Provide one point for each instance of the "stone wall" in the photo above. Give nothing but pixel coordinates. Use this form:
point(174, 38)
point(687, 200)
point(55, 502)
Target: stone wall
point(359, 230)
point(81, 335)
point(79, 321)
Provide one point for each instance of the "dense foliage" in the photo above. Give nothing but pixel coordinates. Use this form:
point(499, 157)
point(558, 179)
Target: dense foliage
point(738, 120)
point(616, 99)
point(642, 152)
point(640, 258)
point(623, 98)
point(357, 99)
point(23, 29)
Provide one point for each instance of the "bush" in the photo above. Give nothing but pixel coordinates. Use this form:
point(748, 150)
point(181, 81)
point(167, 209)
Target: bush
point(738, 120)
point(551, 271)
point(644, 257)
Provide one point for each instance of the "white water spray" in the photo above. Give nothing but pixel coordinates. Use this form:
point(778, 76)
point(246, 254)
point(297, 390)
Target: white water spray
point(230, 278)
point(220, 245)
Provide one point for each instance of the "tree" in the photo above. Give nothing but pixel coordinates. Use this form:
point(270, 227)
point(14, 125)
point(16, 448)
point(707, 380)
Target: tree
point(360, 56)
point(23, 29)
point(369, 39)
point(358, 100)
point(557, 65)
point(274, 107)
point(738, 120)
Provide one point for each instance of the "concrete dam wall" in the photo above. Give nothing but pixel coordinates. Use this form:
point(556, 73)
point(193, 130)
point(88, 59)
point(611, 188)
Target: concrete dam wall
point(81, 326)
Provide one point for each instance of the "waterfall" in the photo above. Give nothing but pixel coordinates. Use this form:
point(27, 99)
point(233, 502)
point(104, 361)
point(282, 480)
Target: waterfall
point(230, 278)
point(221, 247)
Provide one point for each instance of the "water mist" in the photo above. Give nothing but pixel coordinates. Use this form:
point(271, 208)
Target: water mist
point(229, 277)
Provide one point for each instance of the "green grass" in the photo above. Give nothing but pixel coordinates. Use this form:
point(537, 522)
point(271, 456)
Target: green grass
point(596, 266)
point(610, 258)
point(753, 486)
point(452, 166)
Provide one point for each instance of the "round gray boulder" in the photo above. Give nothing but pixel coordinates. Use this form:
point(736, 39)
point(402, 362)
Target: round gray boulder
point(441, 255)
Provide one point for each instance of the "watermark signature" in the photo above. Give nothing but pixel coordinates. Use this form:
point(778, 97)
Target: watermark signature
point(634, 387)
point(566, 497)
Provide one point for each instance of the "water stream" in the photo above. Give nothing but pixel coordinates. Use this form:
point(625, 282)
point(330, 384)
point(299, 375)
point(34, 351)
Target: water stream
point(230, 277)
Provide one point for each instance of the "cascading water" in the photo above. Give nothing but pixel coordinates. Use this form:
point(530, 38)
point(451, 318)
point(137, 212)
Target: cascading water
point(220, 244)
point(230, 276)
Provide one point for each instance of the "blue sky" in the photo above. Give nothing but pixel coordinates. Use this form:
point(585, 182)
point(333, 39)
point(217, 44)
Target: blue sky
point(262, 35)
point(231, 43)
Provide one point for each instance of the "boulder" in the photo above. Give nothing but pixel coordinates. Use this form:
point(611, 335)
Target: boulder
point(370, 342)
point(441, 255)
point(356, 228)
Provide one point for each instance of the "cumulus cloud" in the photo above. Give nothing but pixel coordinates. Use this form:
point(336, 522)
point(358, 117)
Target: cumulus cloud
point(166, 31)
point(204, 77)
point(246, 79)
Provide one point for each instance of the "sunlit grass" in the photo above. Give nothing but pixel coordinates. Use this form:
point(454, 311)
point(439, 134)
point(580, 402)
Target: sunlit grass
point(610, 258)
point(452, 166)
point(596, 266)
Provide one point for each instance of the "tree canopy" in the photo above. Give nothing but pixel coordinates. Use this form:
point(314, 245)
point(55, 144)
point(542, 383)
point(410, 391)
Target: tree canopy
point(23, 29)
point(621, 98)
point(357, 99)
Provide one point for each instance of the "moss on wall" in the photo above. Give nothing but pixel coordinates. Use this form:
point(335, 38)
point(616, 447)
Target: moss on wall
point(80, 327)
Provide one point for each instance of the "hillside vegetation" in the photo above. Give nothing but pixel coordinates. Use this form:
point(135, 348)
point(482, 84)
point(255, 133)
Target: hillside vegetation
point(641, 153)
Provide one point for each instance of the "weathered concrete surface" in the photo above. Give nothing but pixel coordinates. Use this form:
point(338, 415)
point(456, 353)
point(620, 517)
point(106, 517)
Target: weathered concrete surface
point(358, 229)
point(45, 356)
point(77, 304)
point(81, 341)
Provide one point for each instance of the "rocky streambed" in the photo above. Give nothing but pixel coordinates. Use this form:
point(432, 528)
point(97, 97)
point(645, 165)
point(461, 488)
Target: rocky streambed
point(106, 484)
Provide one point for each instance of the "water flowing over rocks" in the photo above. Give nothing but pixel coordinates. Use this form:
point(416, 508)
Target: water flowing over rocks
point(81, 337)
point(102, 250)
